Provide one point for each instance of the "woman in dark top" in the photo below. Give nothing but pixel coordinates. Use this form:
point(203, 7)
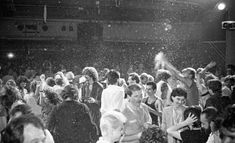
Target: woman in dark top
point(70, 121)
point(153, 106)
point(154, 102)
point(192, 132)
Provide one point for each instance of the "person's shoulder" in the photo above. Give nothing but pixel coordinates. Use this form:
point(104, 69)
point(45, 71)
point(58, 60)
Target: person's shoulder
point(98, 84)
point(159, 100)
point(77, 103)
point(83, 105)
point(144, 106)
point(168, 108)
point(120, 89)
point(126, 107)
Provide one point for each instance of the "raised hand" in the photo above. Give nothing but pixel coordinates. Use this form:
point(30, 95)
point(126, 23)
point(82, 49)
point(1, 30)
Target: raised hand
point(211, 64)
point(190, 119)
point(42, 77)
point(160, 60)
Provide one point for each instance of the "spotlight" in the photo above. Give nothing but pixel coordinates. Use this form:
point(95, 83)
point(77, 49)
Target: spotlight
point(10, 55)
point(221, 6)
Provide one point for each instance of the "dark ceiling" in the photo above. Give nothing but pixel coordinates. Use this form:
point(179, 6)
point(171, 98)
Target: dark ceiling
point(122, 10)
point(128, 10)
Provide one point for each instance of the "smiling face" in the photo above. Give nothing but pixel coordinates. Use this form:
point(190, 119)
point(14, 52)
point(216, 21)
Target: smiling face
point(178, 101)
point(136, 97)
point(149, 90)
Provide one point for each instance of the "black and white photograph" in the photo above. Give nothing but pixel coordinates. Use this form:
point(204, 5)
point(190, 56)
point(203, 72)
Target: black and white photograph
point(117, 71)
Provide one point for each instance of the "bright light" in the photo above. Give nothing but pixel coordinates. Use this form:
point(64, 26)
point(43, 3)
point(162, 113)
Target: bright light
point(221, 6)
point(10, 55)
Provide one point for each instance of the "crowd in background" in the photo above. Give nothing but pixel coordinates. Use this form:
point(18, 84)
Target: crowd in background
point(94, 104)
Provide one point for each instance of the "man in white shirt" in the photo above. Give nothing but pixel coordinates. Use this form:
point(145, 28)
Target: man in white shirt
point(113, 96)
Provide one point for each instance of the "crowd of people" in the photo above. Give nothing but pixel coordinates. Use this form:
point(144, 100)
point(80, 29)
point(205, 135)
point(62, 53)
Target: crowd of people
point(101, 106)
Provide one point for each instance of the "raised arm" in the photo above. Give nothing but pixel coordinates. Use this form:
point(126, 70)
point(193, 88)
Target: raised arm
point(177, 74)
point(174, 130)
point(209, 66)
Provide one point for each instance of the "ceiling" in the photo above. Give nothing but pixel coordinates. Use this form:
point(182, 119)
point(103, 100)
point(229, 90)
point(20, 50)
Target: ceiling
point(128, 10)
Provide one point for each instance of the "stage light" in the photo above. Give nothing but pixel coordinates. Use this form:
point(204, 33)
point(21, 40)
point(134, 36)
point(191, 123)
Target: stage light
point(10, 55)
point(221, 6)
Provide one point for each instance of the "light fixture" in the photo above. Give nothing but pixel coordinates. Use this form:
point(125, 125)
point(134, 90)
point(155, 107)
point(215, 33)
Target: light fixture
point(10, 55)
point(221, 6)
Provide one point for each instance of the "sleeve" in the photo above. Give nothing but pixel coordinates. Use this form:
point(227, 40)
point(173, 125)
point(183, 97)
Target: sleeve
point(163, 126)
point(148, 118)
point(120, 100)
point(2, 111)
point(102, 108)
point(99, 93)
point(3, 122)
point(87, 122)
point(52, 120)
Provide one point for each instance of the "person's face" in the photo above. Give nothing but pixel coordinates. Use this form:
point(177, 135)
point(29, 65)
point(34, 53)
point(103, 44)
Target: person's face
point(33, 134)
point(144, 80)
point(136, 97)
point(149, 90)
point(185, 73)
point(130, 81)
point(178, 100)
point(89, 79)
point(23, 84)
point(205, 123)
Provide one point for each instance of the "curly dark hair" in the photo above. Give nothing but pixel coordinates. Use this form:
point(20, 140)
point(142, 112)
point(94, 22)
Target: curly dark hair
point(163, 74)
point(21, 79)
point(50, 81)
point(69, 92)
point(52, 97)
point(178, 92)
point(135, 76)
point(9, 97)
point(153, 135)
point(92, 72)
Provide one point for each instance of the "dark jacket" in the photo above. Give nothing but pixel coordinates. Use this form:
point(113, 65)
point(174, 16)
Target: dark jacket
point(219, 102)
point(94, 108)
point(70, 122)
point(96, 92)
